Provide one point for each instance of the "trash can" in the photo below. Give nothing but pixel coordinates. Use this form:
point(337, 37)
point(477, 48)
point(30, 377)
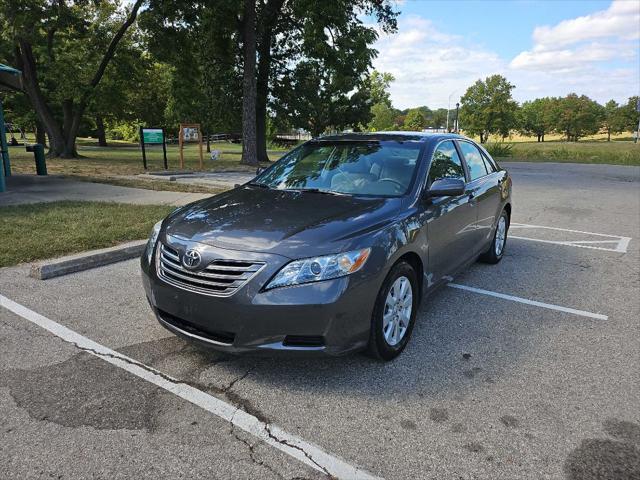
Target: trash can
point(38, 153)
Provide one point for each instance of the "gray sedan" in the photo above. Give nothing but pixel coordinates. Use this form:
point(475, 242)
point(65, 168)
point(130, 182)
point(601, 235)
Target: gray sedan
point(332, 248)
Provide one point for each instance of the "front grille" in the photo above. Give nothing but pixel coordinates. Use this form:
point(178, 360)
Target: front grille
point(219, 277)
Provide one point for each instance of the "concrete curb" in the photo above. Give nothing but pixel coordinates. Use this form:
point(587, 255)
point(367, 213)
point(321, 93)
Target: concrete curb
point(86, 260)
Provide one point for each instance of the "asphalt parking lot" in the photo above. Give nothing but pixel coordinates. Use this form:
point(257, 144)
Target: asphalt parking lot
point(524, 370)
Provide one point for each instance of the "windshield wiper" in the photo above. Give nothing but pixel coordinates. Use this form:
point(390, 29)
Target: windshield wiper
point(259, 185)
point(324, 192)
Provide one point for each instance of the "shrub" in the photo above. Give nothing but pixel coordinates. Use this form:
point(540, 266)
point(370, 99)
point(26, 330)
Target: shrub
point(500, 149)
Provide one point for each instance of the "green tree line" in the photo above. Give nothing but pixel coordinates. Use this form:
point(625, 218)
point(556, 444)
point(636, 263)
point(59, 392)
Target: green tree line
point(488, 108)
point(252, 67)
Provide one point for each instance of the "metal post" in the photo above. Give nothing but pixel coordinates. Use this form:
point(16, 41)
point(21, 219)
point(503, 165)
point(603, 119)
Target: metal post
point(164, 148)
point(456, 124)
point(4, 149)
point(144, 154)
point(4, 152)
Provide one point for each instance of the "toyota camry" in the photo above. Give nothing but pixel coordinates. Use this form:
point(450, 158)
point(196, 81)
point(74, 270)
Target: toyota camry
point(332, 248)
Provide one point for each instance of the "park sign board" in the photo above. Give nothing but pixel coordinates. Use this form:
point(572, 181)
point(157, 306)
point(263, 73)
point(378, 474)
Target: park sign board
point(152, 136)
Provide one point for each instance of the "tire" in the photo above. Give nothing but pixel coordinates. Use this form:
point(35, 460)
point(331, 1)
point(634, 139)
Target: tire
point(382, 346)
point(499, 243)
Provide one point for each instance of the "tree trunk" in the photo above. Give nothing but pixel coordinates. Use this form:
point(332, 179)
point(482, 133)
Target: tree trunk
point(62, 138)
point(262, 92)
point(100, 133)
point(249, 147)
point(267, 24)
point(608, 135)
point(26, 63)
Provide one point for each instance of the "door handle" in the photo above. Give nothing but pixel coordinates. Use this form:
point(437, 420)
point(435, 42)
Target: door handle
point(472, 197)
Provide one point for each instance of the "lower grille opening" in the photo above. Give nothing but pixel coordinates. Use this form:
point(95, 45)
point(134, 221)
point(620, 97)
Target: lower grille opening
point(216, 336)
point(303, 341)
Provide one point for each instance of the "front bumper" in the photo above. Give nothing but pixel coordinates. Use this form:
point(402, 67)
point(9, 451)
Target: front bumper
point(330, 317)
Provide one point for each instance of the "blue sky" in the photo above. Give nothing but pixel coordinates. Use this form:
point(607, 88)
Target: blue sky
point(550, 47)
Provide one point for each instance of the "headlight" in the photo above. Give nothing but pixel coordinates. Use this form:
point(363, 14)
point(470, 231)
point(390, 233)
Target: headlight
point(320, 268)
point(153, 238)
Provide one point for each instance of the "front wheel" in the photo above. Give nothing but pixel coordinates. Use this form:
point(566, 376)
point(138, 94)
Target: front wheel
point(395, 313)
point(496, 249)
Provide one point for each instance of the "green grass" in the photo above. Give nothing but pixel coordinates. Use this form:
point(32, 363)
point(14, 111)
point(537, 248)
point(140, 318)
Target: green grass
point(613, 153)
point(122, 158)
point(47, 230)
point(157, 185)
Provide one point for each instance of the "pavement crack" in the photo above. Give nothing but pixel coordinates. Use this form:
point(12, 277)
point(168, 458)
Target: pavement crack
point(128, 360)
point(267, 428)
point(252, 453)
point(236, 380)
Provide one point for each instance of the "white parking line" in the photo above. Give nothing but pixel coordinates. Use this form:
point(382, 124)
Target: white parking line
point(273, 435)
point(621, 243)
point(526, 301)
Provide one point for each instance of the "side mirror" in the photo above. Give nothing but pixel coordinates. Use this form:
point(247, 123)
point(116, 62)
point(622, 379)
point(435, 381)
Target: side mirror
point(446, 187)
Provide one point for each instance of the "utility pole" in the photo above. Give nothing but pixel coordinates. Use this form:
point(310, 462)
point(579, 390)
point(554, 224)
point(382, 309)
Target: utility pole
point(635, 140)
point(449, 108)
point(457, 127)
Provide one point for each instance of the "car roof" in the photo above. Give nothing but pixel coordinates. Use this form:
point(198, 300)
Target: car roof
point(398, 136)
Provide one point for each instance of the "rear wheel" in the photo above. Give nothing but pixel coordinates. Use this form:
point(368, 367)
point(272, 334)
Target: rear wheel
point(395, 313)
point(496, 249)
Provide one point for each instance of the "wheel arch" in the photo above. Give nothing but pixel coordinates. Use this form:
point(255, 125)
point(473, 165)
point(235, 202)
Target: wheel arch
point(413, 259)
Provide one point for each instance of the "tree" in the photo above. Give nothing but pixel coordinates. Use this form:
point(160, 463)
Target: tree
point(577, 116)
point(326, 33)
point(63, 51)
point(630, 115)
point(318, 97)
point(383, 117)
point(202, 45)
point(488, 108)
point(613, 119)
point(415, 120)
point(249, 146)
point(379, 84)
point(535, 118)
point(288, 33)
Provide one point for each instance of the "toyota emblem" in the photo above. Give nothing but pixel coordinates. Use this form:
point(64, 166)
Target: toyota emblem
point(191, 259)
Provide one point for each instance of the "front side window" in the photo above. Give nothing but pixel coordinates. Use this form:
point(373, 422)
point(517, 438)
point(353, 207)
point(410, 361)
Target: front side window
point(445, 163)
point(377, 168)
point(474, 160)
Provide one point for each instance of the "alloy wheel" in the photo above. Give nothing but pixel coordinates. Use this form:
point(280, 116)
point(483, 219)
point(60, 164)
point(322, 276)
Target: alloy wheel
point(397, 311)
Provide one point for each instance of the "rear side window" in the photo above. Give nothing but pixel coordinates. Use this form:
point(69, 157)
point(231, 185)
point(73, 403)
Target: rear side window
point(474, 160)
point(445, 163)
point(489, 163)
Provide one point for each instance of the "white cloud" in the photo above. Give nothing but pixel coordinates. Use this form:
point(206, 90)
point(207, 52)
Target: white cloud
point(576, 43)
point(596, 55)
point(429, 64)
point(621, 19)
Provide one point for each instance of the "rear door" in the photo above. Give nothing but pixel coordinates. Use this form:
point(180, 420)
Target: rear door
point(450, 220)
point(484, 189)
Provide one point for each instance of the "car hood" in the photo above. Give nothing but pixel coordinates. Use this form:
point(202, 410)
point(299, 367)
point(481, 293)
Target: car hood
point(289, 223)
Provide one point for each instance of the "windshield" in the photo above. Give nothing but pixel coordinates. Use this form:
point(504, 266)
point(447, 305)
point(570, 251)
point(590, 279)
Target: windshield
point(380, 168)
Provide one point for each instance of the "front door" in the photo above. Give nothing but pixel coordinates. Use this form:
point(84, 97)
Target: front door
point(451, 221)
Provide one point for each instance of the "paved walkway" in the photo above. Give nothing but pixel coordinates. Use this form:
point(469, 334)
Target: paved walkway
point(213, 179)
point(33, 189)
